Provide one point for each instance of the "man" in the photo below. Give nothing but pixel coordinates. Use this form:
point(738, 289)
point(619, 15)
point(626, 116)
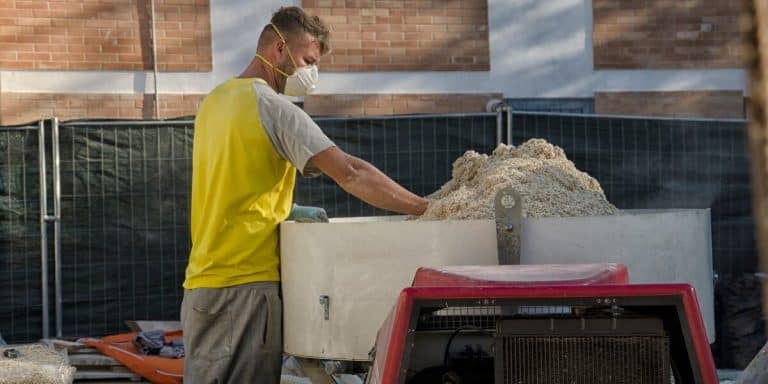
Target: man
point(248, 144)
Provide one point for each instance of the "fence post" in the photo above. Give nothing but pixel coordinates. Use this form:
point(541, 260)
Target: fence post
point(57, 226)
point(43, 230)
point(508, 110)
point(499, 107)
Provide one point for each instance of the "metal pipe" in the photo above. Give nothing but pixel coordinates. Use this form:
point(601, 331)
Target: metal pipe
point(57, 226)
point(154, 62)
point(43, 231)
point(396, 117)
point(508, 110)
point(400, 117)
point(529, 113)
point(499, 123)
point(346, 118)
point(98, 123)
point(21, 128)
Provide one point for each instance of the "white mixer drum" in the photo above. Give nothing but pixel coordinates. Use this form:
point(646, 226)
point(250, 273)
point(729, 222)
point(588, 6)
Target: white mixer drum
point(341, 279)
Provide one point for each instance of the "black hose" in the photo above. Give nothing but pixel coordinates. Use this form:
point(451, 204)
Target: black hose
point(453, 335)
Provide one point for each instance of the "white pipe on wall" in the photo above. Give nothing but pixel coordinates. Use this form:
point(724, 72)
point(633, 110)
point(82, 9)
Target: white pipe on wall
point(154, 62)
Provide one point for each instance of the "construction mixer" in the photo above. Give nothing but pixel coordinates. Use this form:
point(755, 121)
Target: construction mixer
point(515, 300)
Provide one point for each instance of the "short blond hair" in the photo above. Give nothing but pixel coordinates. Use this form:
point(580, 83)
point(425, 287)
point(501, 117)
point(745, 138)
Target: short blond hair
point(292, 21)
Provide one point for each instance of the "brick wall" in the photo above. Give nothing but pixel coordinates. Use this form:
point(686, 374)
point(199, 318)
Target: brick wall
point(19, 108)
point(104, 35)
point(709, 104)
point(405, 35)
point(666, 34)
point(400, 104)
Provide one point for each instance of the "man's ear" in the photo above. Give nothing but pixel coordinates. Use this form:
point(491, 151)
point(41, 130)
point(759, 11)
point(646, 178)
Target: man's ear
point(282, 49)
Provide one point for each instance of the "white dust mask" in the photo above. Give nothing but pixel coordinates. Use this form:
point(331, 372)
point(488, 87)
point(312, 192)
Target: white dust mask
point(302, 82)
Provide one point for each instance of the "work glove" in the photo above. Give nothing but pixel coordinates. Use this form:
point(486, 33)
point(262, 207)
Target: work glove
point(304, 214)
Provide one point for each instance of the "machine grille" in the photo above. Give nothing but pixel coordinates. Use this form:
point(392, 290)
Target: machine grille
point(579, 351)
point(451, 318)
point(592, 359)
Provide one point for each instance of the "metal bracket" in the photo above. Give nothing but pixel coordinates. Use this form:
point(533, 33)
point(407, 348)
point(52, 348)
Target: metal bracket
point(325, 301)
point(508, 207)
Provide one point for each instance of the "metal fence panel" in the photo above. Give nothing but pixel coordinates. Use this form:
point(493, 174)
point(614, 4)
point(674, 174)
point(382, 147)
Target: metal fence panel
point(125, 197)
point(125, 234)
point(125, 207)
point(125, 203)
point(20, 280)
point(417, 152)
point(659, 163)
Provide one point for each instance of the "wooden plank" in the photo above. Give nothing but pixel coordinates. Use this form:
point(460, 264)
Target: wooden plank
point(116, 381)
point(64, 344)
point(119, 368)
point(72, 347)
point(104, 368)
point(84, 351)
point(90, 375)
point(92, 359)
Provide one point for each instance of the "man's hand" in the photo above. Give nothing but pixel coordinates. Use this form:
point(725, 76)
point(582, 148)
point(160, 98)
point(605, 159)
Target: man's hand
point(304, 214)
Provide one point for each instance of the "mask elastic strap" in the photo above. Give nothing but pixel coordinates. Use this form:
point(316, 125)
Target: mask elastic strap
point(270, 64)
point(286, 45)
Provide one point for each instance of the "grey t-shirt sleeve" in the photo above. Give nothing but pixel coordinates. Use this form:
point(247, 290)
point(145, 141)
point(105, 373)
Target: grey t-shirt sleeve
point(294, 135)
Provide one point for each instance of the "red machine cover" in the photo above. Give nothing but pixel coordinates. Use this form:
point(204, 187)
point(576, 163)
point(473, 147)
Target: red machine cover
point(544, 274)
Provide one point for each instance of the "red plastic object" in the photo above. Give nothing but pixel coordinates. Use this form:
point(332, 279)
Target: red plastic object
point(160, 370)
point(552, 274)
point(392, 337)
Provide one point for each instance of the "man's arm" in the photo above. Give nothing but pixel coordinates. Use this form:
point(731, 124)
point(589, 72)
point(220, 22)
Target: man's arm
point(367, 183)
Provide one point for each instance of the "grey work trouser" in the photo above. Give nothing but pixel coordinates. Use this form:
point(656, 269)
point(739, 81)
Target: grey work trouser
point(233, 334)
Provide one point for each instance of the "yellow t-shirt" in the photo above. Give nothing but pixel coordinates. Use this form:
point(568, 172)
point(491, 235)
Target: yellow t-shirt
point(248, 142)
